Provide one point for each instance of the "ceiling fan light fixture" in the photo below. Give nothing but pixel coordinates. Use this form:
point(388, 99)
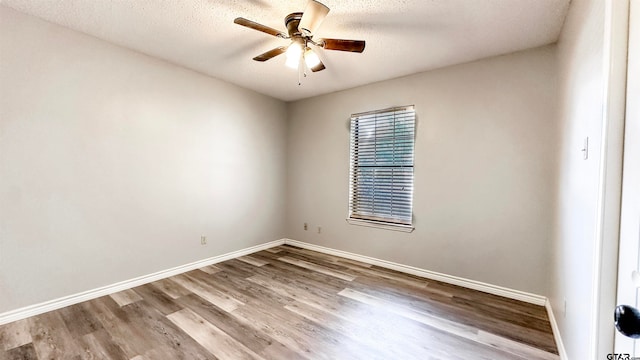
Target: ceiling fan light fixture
point(292, 63)
point(293, 54)
point(311, 58)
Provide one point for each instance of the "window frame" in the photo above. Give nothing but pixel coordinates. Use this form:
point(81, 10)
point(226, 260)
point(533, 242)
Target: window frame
point(374, 219)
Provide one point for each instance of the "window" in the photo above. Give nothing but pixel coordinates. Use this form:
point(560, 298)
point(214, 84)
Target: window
point(381, 176)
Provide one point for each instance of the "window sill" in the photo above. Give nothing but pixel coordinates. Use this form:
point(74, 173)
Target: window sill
point(379, 225)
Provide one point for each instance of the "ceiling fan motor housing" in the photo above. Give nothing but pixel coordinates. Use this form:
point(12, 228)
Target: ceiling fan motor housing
point(291, 22)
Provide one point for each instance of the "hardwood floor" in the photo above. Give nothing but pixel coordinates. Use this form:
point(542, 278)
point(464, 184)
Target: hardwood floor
point(287, 303)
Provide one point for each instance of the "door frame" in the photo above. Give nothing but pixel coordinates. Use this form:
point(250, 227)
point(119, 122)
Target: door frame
point(629, 245)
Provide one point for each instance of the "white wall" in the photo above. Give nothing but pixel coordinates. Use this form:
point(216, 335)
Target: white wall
point(580, 53)
point(484, 176)
point(112, 164)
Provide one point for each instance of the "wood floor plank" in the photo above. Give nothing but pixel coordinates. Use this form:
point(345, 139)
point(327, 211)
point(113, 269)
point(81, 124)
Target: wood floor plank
point(414, 296)
point(303, 275)
point(217, 282)
point(513, 347)
point(129, 336)
point(318, 268)
point(418, 290)
point(207, 292)
point(99, 345)
point(299, 293)
point(106, 306)
point(210, 269)
point(324, 260)
point(15, 334)
point(350, 262)
point(23, 352)
point(164, 334)
point(288, 331)
point(171, 288)
point(125, 297)
point(354, 332)
point(157, 299)
point(517, 307)
point(449, 326)
point(51, 339)
point(265, 256)
point(406, 338)
point(246, 291)
point(237, 268)
point(455, 328)
point(253, 260)
point(393, 277)
point(287, 303)
point(500, 321)
point(254, 340)
point(486, 317)
point(211, 337)
point(79, 320)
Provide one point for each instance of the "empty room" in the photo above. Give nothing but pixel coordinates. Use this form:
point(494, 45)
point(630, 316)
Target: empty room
point(271, 179)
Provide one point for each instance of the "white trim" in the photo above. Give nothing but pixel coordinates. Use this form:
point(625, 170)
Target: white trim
point(605, 256)
point(556, 331)
point(471, 284)
point(380, 225)
point(630, 209)
point(59, 303)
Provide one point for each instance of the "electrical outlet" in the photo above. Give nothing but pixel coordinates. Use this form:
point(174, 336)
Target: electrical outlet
point(319, 229)
point(306, 226)
point(203, 240)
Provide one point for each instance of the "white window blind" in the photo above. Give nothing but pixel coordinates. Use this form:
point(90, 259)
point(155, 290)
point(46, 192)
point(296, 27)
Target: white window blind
point(381, 176)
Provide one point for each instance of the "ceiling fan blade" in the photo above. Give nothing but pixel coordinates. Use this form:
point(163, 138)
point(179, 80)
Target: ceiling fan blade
point(265, 29)
point(271, 54)
point(343, 45)
point(312, 17)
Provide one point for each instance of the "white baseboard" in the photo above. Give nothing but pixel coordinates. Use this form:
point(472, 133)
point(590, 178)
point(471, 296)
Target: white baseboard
point(556, 331)
point(55, 304)
point(454, 280)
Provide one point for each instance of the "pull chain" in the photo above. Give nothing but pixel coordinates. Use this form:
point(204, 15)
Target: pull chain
point(301, 69)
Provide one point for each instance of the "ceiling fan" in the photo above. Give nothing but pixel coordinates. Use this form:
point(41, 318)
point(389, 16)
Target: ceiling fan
point(301, 27)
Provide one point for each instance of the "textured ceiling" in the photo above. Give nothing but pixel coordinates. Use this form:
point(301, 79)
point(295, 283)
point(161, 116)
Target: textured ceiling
point(403, 36)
